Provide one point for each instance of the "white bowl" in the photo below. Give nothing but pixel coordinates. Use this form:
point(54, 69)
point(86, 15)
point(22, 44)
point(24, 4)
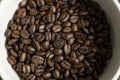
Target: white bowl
point(112, 9)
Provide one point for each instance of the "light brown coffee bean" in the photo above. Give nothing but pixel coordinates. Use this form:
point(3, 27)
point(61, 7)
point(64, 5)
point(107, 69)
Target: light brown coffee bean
point(37, 59)
point(51, 17)
point(31, 49)
point(67, 30)
point(64, 17)
point(21, 13)
point(46, 75)
point(65, 64)
point(23, 57)
point(67, 24)
point(33, 12)
point(23, 3)
point(26, 68)
point(83, 12)
point(56, 74)
point(24, 34)
point(56, 28)
point(25, 21)
point(26, 41)
point(11, 60)
point(81, 57)
point(67, 36)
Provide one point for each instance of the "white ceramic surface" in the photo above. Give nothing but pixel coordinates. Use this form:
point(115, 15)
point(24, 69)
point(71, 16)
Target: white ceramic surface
point(112, 9)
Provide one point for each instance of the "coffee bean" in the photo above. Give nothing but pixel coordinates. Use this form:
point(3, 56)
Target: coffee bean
point(67, 30)
point(24, 34)
point(67, 48)
point(11, 60)
point(33, 12)
point(67, 36)
point(12, 41)
point(37, 59)
point(84, 49)
point(40, 37)
point(50, 62)
point(21, 13)
point(13, 53)
point(83, 12)
point(73, 19)
point(64, 17)
point(58, 51)
point(74, 27)
point(53, 8)
point(67, 24)
point(23, 57)
point(56, 28)
point(81, 57)
point(58, 58)
point(56, 74)
point(31, 77)
point(31, 49)
point(26, 68)
point(32, 28)
point(58, 43)
point(72, 2)
point(46, 75)
point(45, 45)
point(8, 33)
point(32, 4)
point(36, 44)
point(65, 64)
point(48, 36)
point(40, 53)
point(26, 41)
point(67, 73)
point(25, 21)
point(23, 3)
point(39, 71)
point(75, 46)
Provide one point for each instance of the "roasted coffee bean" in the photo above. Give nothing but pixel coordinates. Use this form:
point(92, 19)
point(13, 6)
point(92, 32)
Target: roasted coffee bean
point(56, 28)
point(23, 57)
point(65, 64)
point(37, 59)
point(58, 40)
point(26, 68)
point(24, 34)
point(11, 60)
point(46, 75)
point(58, 51)
point(56, 74)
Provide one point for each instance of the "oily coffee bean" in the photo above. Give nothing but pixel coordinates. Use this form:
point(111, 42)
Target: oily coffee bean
point(58, 40)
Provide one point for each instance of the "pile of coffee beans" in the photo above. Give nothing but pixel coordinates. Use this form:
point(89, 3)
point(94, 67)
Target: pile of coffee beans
point(58, 40)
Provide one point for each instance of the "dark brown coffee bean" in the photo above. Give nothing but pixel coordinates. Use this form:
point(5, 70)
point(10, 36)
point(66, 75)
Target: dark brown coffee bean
point(64, 17)
point(58, 58)
point(39, 71)
point(40, 53)
point(26, 68)
point(56, 74)
point(50, 62)
point(23, 57)
point(73, 19)
point(56, 28)
point(46, 75)
point(81, 57)
point(67, 24)
point(45, 45)
point(72, 2)
point(32, 4)
point(26, 41)
point(8, 33)
point(74, 27)
point(32, 28)
point(40, 37)
point(58, 51)
point(67, 48)
point(48, 1)
point(84, 49)
point(58, 43)
point(16, 34)
point(67, 73)
point(33, 12)
point(31, 77)
point(31, 49)
point(83, 12)
point(13, 53)
point(21, 13)
point(53, 8)
point(65, 64)
point(36, 44)
point(51, 17)
point(71, 41)
point(67, 30)
point(37, 59)
point(11, 60)
point(48, 26)
point(75, 46)
point(67, 36)
point(48, 36)
point(25, 21)
point(24, 34)
point(12, 41)
point(23, 3)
